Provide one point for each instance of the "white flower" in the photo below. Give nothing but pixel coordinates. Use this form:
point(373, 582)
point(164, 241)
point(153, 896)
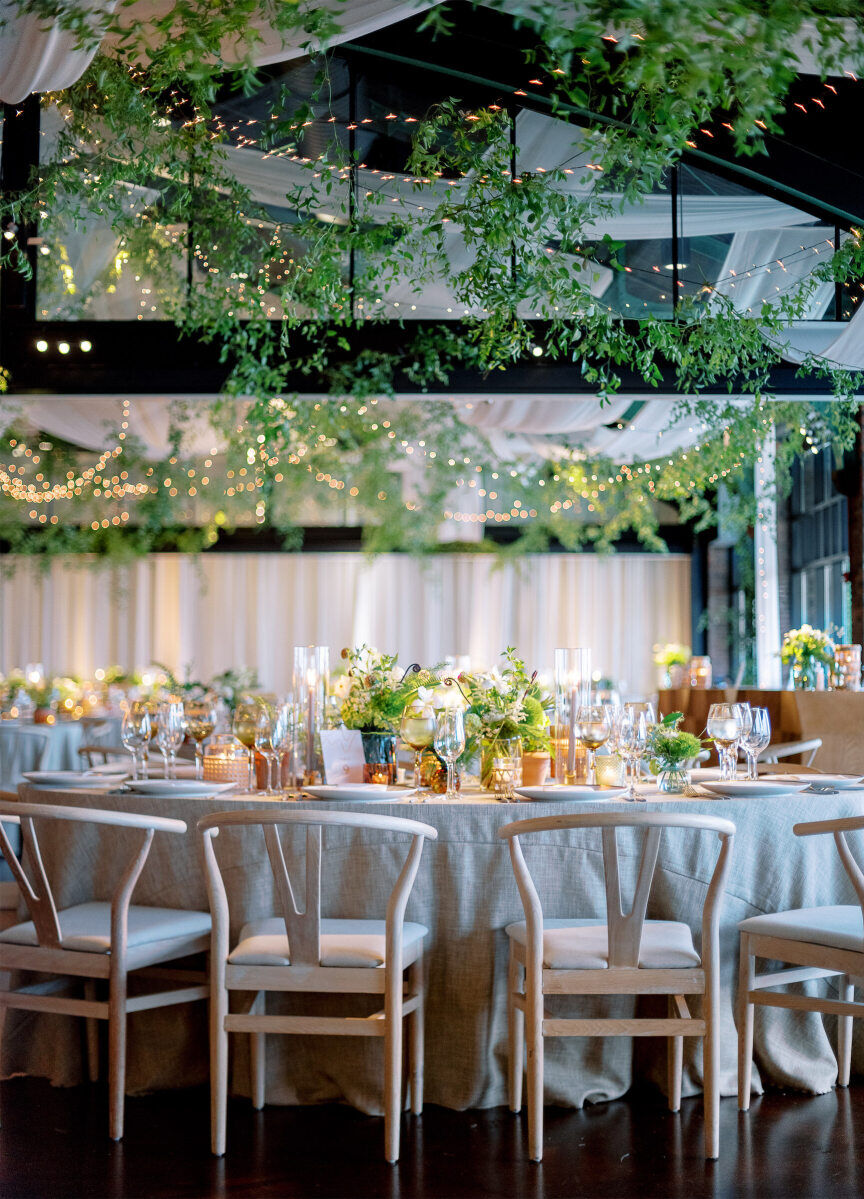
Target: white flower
point(341, 686)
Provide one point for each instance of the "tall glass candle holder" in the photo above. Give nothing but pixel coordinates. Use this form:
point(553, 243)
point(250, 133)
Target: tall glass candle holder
point(847, 668)
point(572, 691)
point(311, 684)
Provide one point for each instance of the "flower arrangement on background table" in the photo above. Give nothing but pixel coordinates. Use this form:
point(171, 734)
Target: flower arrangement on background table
point(805, 650)
point(672, 658)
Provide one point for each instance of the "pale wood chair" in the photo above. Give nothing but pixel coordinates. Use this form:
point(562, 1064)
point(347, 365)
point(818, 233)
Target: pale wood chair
point(824, 942)
point(624, 955)
point(97, 941)
point(791, 749)
point(101, 755)
point(301, 951)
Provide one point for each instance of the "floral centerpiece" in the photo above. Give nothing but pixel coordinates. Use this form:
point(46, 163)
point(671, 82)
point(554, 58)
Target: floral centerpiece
point(669, 750)
point(505, 707)
point(10, 687)
point(805, 650)
point(231, 684)
point(672, 658)
point(374, 694)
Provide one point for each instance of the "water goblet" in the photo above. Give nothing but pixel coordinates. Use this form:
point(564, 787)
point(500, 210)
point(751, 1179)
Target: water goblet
point(757, 738)
point(265, 728)
point(724, 729)
point(449, 743)
point(592, 725)
point(632, 743)
point(201, 722)
point(170, 733)
point(135, 733)
point(244, 727)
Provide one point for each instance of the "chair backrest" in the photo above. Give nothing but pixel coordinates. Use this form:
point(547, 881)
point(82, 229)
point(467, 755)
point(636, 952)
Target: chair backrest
point(625, 927)
point(22, 747)
point(791, 749)
point(35, 887)
point(94, 754)
point(303, 925)
point(839, 827)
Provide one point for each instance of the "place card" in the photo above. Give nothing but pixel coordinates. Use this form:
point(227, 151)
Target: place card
point(342, 751)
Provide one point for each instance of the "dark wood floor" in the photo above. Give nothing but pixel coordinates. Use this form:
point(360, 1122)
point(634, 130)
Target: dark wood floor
point(54, 1143)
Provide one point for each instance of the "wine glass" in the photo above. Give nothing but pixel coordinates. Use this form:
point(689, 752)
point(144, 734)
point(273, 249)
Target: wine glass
point(135, 733)
point(449, 743)
point(724, 728)
point(757, 737)
point(592, 725)
point(282, 738)
point(418, 732)
point(632, 742)
point(264, 730)
point(244, 727)
point(170, 733)
point(201, 722)
point(636, 707)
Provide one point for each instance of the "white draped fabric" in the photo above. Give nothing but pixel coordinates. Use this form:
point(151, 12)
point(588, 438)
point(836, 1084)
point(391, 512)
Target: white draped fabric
point(36, 55)
point(224, 610)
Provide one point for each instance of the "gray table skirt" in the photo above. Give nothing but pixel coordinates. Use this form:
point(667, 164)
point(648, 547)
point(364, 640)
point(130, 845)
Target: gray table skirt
point(465, 894)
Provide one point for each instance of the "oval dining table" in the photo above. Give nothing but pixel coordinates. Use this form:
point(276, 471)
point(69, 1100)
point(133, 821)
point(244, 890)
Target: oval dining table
point(465, 894)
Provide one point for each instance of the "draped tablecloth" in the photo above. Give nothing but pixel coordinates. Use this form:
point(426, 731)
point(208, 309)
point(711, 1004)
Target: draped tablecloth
point(465, 894)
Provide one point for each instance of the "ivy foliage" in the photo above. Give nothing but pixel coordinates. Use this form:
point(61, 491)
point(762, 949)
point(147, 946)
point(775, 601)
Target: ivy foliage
point(143, 144)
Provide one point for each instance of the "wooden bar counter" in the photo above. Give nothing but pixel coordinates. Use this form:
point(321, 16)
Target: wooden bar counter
point(835, 716)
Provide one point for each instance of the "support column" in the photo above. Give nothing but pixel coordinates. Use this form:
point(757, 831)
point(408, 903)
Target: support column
point(855, 526)
point(768, 667)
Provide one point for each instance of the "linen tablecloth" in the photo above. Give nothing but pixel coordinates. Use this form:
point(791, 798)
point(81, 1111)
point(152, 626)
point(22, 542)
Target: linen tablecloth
point(465, 894)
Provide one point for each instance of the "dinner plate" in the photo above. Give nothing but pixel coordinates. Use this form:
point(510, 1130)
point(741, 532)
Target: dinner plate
point(830, 782)
point(72, 778)
point(359, 792)
point(755, 788)
point(586, 793)
point(177, 788)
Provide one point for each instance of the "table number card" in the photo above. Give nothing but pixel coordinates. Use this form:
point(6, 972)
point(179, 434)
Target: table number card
point(342, 750)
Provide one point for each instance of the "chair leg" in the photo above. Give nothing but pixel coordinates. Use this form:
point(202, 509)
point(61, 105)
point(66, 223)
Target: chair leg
point(534, 1037)
point(218, 1064)
point(674, 1063)
point(515, 1035)
point(257, 1054)
point(3, 1011)
point(392, 1062)
point(92, 1025)
point(710, 1059)
point(746, 978)
point(116, 1053)
point(416, 1047)
point(844, 1033)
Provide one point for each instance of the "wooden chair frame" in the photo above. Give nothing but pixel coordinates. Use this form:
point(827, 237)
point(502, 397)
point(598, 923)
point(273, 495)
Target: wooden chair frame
point(791, 749)
point(805, 961)
point(526, 1013)
point(102, 752)
point(305, 974)
point(51, 957)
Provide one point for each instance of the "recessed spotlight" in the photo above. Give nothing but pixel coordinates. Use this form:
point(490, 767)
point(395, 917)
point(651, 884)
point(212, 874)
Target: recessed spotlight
point(86, 346)
point(63, 347)
point(41, 346)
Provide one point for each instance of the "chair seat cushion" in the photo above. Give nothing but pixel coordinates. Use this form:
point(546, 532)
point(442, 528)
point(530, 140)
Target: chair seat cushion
point(358, 943)
point(584, 944)
point(839, 927)
point(87, 927)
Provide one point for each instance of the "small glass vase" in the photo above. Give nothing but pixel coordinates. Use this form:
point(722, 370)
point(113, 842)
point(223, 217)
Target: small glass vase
point(804, 674)
point(672, 780)
point(379, 752)
point(500, 747)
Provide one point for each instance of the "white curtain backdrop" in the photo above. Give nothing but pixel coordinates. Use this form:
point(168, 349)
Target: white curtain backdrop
point(251, 609)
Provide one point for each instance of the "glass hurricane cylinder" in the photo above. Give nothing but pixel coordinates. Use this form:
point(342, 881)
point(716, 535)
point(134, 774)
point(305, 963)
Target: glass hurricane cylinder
point(572, 691)
point(310, 686)
point(847, 667)
point(500, 747)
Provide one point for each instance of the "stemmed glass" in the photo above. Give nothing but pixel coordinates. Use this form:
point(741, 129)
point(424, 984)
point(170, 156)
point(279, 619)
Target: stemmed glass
point(632, 742)
point(418, 732)
point(757, 738)
point(282, 738)
point(265, 728)
point(135, 734)
point(724, 728)
point(245, 729)
point(635, 708)
point(449, 744)
point(201, 722)
point(170, 733)
point(592, 725)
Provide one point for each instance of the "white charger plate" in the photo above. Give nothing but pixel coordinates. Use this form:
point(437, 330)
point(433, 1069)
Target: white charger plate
point(831, 782)
point(359, 792)
point(585, 792)
point(73, 779)
point(755, 788)
point(177, 788)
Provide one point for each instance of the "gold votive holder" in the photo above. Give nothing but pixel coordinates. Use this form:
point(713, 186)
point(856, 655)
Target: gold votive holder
point(701, 673)
point(225, 760)
point(610, 770)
